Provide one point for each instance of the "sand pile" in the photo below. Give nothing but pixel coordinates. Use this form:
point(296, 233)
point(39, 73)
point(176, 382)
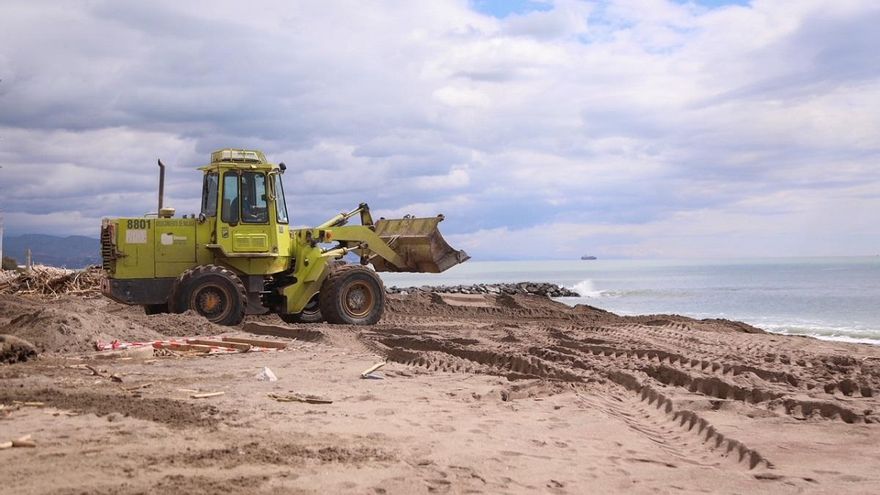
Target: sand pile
point(72, 324)
point(67, 325)
point(188, 324)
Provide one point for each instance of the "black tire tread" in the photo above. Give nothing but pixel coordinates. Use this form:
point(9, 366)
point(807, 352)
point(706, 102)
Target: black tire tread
point(181, 286)
point(303, 317)
point(155, 309)
point(330, 295)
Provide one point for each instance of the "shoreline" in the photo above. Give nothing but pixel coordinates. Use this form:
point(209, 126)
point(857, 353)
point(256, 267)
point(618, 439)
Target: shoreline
point(571, 297)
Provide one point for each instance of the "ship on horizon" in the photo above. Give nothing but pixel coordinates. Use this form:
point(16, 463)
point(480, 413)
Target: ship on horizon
point(587, 257)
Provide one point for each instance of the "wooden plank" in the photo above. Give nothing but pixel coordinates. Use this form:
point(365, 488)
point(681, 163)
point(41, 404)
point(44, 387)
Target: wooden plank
point(257, 342)
point(239, 346)
point(174, 346)
point(310, 399)
point(140, 352)
point(207, 395)
point(371, 369)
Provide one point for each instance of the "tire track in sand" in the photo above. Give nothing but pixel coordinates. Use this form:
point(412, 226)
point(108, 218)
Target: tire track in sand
point(640, 407)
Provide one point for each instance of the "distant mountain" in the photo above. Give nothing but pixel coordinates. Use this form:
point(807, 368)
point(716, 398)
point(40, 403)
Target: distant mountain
point(75, 251)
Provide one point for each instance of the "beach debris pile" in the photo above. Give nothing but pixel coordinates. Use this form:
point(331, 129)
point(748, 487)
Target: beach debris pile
point(519, 288)
point(190, 347)
point(52, 282)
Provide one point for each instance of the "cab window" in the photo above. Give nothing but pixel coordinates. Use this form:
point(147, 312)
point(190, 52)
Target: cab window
point(209, 194)
point(230, 198)
point(280, 203)
point(254, 207)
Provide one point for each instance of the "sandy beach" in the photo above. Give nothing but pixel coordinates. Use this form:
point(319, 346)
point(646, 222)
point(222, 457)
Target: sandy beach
point(480, 394)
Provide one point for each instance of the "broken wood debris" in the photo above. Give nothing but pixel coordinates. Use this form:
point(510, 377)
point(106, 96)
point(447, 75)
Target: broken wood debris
point(139, 352)
point(62, 412)
point(269, 344)
point(138, 387)
point(366, 373)
point(24, 441)
point(241, 347)
point(102, 373)
point(176, 346)
point(184, 347)
point(54, 282)
point(310, 399)
point(207, 395)
point(94, 370)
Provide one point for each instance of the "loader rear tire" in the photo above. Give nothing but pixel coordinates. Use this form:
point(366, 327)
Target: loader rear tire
point(213, 292)
point(310, 314)
point(352, 295)
point(155, 309)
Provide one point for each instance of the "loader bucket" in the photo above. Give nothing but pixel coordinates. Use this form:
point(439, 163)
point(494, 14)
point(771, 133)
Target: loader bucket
point(419, 243)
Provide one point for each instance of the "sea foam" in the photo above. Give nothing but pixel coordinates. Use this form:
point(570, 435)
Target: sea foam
point(586, 289)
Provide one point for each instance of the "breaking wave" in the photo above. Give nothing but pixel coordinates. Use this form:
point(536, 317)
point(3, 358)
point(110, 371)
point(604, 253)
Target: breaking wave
point(826, 332)
point(586, 289)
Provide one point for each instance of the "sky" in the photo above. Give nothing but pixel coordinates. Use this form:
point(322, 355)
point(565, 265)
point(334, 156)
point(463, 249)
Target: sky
point(540, 129)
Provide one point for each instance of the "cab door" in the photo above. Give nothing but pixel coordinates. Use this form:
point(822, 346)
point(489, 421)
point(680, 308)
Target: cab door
point(244, 213)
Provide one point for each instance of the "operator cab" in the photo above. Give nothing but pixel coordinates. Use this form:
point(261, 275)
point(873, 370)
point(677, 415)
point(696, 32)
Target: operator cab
point(248, 192)
point(244, 195)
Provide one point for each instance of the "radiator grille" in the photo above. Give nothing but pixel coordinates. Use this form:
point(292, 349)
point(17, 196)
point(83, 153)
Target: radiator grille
point(108, 251)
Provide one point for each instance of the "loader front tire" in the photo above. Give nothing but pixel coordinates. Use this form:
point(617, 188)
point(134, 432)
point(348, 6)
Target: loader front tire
point(310, 314)
point(213, 292)
point(352, 295)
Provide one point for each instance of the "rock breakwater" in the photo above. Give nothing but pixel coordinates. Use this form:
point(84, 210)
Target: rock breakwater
point(533, 288)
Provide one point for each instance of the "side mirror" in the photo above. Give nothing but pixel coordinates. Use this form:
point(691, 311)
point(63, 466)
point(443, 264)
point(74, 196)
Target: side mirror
point(282, 166)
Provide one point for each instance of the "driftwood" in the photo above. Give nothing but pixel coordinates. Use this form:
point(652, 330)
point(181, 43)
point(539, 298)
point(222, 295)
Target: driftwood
point(366, 372)
point(257, 342)
point(207, 395)
point(214, 343)
point(24, 441)
point(310, 399)
point(52, 282)
point(176, 346)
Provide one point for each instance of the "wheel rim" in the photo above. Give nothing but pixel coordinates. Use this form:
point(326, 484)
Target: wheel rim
point(210, 301)
point(358, 300)
point(313, 307)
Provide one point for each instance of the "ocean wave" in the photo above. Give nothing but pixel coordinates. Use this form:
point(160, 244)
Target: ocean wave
point(587, 289)
point(825, 332)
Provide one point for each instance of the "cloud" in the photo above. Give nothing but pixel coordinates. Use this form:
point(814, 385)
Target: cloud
point(631, 127)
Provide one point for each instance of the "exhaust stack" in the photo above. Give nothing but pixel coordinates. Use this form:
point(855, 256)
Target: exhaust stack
point(161, 184)
point(163, 212)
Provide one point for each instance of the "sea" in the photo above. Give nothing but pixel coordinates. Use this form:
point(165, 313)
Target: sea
point(835, 298)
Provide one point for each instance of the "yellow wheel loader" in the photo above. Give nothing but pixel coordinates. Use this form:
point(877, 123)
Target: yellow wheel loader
point(240, 256)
